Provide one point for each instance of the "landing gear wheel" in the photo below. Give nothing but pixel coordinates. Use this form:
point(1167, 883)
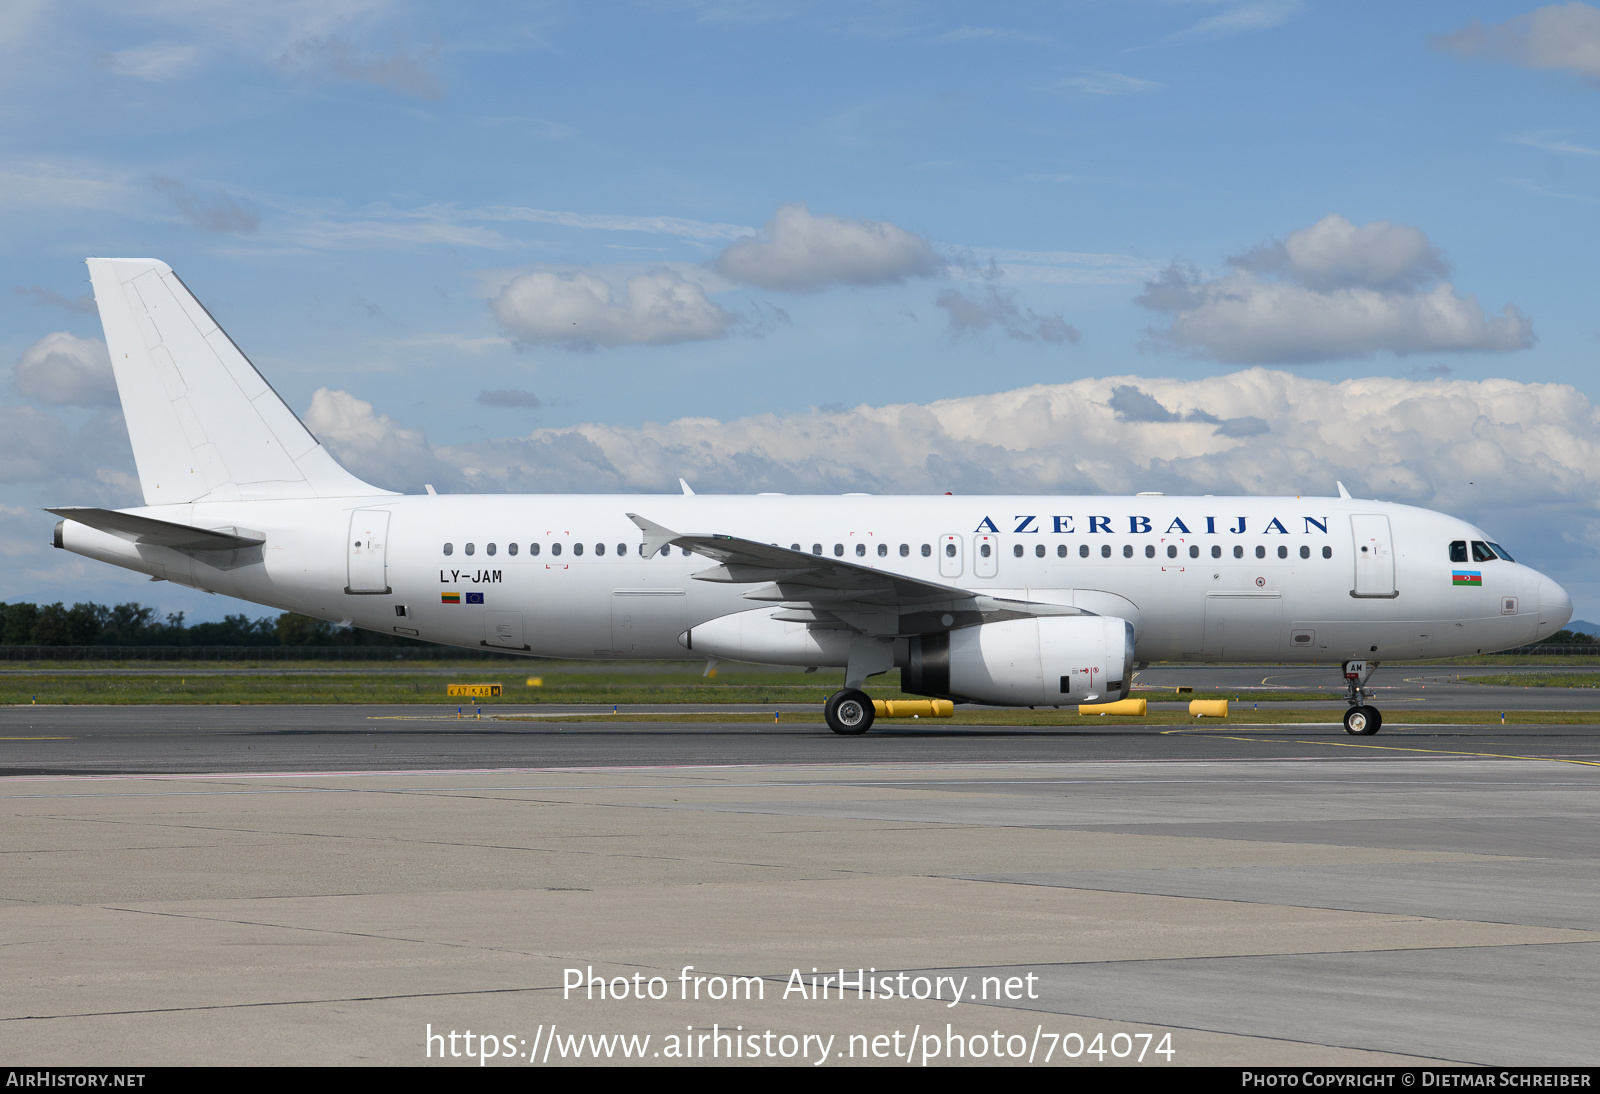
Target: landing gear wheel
point(849, 712)
point(1362, 721)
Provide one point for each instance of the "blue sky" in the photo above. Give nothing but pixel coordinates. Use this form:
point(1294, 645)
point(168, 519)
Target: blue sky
point(813, 211)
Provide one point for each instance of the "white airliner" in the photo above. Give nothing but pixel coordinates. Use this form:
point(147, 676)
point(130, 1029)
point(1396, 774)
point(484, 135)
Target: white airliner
point(1020, 601)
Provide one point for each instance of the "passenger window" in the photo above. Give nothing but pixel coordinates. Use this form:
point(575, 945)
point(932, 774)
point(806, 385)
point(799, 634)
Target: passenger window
point(1149, 550)
point(1238, 552)
point(1038, 550)
point(926, 550)
point(905, 550)
point(555, 548)
point(600, 548)
point(816, 548)
point(533, 548)
point(949, 550)
point(1216, 552)
point(985, 551)
point(838, 550)
point(1261, 552)
point(490, 549)
point(1105, 550)
point(667, 550)
point(622, 548)
point(794, 546)
point(883, 550)
point(1481, 552)
point(577, 548)
point(470, 548)
point(686, 552)
point(1327, 552)
point(861, 550)
point(1305, 552)
point(1458, 550)
point(1283, 552)
point(511, 549)
point(449, 549)
point(1194, 552)
point(1172, 551)
point(1083, 550)
point(1501, 551)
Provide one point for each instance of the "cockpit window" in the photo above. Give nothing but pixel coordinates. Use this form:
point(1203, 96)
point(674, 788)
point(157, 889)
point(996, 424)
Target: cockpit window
point(1481, 552)
point(1502, 552)
point(1458, 550)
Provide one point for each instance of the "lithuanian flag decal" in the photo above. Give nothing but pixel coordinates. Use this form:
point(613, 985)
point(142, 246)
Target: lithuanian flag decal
point(1473, 578)
point(455, 598)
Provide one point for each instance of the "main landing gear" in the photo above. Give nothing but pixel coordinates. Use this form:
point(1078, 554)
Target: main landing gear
point(849, 712)
point(1362, 719)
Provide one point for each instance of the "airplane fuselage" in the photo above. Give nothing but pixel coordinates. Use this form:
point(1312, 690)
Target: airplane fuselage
point(1201, 578)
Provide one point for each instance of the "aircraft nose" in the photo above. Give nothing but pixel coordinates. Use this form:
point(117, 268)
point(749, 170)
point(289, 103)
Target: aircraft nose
point(1555, 606)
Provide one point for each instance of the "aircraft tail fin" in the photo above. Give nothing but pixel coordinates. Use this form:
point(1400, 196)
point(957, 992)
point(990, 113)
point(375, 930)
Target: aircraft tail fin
point(205, 425)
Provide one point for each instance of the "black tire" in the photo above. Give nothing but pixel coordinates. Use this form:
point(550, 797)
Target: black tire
point(849, 712)
point(1362, 721)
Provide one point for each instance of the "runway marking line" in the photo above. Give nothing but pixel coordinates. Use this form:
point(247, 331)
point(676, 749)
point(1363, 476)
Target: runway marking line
point(1440, 752)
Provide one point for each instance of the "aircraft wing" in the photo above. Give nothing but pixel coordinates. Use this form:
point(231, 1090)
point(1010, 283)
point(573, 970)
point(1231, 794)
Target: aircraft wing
point(819, 589)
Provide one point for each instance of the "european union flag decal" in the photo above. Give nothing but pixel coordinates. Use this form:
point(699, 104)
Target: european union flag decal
point(474, 598)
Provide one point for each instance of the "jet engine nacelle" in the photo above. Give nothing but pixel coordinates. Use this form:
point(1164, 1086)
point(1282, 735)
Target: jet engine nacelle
point(1043, 662)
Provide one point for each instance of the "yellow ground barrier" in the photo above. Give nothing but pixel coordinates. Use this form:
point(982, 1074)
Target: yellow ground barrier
point(1121, 706)
point(913, 708)
point(1209, 708)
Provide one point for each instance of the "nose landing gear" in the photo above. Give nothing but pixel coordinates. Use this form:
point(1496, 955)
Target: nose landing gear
point(1362, 719)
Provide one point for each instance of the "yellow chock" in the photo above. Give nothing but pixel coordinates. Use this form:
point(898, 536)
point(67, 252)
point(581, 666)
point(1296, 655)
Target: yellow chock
point(1121, 706)
point(1209, 708)
point(913, 708)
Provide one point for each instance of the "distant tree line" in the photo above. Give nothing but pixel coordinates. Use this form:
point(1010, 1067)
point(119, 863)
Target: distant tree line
point(56, 624)
point(1568, 638)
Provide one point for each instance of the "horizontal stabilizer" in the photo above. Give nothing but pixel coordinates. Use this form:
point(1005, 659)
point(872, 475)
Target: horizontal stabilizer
point(162, 533)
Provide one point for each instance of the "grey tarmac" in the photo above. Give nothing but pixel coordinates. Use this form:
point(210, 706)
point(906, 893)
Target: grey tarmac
point(326, 884)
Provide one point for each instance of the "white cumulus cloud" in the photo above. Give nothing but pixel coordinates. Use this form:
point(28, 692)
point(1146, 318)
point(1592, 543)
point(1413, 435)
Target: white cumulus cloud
point(1327, 292)
point(801, 251)
point(1489, 447)
point(374, 446)
point(63, 370)
point(580, 310)
point(1564, 36)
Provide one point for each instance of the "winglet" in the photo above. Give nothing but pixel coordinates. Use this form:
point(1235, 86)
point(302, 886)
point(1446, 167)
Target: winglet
point(687, 489)
point(1343, 493)
point(655, 536)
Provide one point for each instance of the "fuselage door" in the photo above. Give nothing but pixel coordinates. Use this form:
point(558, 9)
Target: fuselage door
point(985, 555)
point(1374, 555)
point(368, 547)
point(504, 630)
point(949, 556)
